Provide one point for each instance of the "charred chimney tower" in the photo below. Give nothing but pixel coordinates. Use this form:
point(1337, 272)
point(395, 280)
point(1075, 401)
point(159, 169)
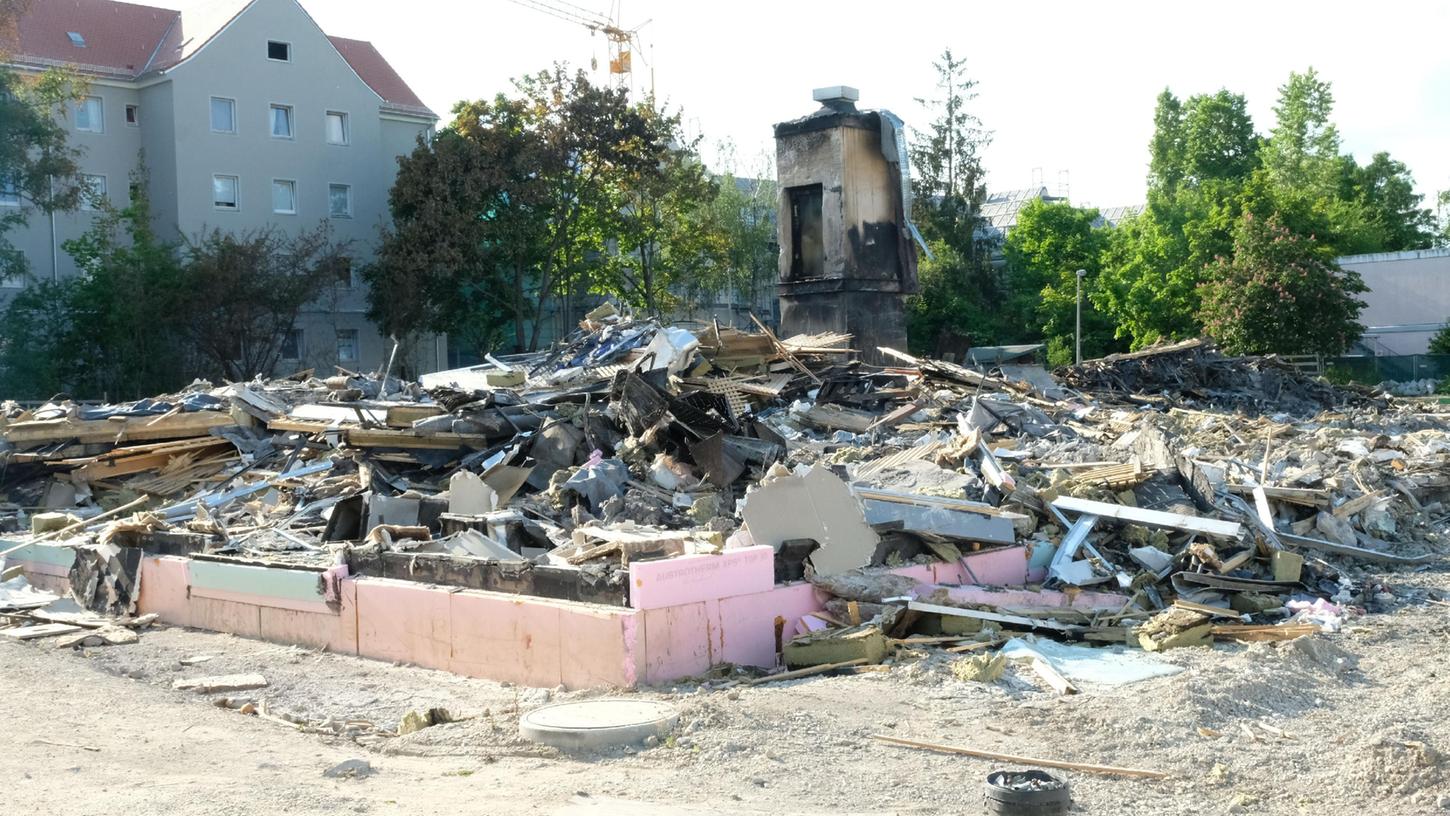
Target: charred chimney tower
point(847, 246)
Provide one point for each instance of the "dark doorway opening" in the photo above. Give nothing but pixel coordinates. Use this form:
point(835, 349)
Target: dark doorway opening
point(807, 241)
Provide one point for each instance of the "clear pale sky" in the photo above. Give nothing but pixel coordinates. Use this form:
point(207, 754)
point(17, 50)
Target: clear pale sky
point(1062, 85)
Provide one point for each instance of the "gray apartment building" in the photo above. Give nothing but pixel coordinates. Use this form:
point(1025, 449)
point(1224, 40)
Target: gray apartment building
point(247, 115)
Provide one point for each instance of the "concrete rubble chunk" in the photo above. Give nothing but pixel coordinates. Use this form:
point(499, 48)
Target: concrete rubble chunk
point(221, 683)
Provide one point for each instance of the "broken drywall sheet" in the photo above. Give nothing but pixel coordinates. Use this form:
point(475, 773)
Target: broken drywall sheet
point(818, 506)
point(936, 519)
point(469, 496)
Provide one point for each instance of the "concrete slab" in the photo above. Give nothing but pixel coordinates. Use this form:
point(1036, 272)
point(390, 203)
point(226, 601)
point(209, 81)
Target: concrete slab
point(595, 724)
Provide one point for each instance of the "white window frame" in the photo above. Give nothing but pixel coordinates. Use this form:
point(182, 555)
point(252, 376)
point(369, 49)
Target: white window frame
point(86, 181)
point(13, 198)
point(346, 128)
point(348, 187)
point(356, 345)
point(287, 43)
point(301, 345)
point(272, 107)
point(98, 126)
point(211, 120)
point(133, 116)
point(295, 204)
point(236, 191)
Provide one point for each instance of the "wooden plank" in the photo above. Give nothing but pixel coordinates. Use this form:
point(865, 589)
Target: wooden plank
point(1106, 770)
point(1248, 632)
point(1051, 677)
point(900, 497)
point(1014, 620)
point(1353, 552)
point(1212, 611)
point(834, 417)
point(196, 423)
point(82, 524)
point(39, 630)
point(1236, 561)
point(1261, 504)
point(383, 437)
point(403, 416)
point(807, 672)
point(111, 467)
point(1355, 505)
point(1308, 497)
point(1151, 518)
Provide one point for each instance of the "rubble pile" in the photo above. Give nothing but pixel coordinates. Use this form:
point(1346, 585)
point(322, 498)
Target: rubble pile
point(1130, 507)
point(1193, 372)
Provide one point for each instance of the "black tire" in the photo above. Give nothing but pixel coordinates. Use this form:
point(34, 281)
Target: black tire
point(1053, 800)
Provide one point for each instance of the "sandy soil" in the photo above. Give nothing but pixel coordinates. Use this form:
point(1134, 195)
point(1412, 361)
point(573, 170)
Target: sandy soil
point(1356, 724)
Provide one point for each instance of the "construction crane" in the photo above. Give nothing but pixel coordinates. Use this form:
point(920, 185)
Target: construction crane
point(624, 44)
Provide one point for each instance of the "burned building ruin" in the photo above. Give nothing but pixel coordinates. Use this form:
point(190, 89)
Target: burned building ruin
point(848, 249)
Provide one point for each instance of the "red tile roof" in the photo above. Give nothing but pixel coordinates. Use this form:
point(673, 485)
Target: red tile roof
point(377, 73)
point(120, 38)
point(128, 40)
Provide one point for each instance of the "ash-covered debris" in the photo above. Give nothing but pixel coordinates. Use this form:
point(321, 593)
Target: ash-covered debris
point(1193, 373)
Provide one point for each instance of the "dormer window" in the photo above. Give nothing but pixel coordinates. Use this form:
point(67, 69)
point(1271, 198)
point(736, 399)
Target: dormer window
point(76, 39)
point(279, 51)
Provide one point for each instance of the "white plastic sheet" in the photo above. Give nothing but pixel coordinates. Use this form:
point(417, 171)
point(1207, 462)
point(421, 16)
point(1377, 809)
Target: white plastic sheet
point(1093, 665)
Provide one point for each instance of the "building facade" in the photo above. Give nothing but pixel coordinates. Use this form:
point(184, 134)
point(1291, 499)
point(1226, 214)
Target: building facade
point(1408, 299)
point(245, 115)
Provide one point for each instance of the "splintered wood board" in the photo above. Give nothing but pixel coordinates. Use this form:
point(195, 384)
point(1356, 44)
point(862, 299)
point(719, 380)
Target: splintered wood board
point(39, 630)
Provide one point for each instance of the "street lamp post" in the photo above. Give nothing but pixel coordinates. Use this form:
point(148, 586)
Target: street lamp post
point(1077, 335)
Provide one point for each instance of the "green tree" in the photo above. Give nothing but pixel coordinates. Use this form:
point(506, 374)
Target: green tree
point(949, 183)
point(37, 164)
point(667, 238)
point(448, 262)
point(37, 337)
point(961, 293)
point(1386, 189)
point(1440, 343)
point(129, 301)
point(1303, 149)
point(506, 208)
point(145, 316)
point(244, 292)
point(1050, 242)
point(1280, 292)
point(1202, 155)
point(944, 313)
point(744, 207)
point(1318, 191)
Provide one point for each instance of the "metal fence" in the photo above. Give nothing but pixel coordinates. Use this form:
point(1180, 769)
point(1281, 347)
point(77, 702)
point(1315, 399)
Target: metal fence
point(1392, 368)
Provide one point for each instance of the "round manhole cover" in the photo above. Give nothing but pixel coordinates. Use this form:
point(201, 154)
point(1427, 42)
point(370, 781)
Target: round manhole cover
point(597, 723)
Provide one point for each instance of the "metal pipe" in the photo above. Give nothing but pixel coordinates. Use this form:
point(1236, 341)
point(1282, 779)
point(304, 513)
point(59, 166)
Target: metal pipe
point(54, 248)
point(1077, 335)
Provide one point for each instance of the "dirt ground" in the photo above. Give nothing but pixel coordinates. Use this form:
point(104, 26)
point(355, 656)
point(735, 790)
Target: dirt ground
point(1355, 722)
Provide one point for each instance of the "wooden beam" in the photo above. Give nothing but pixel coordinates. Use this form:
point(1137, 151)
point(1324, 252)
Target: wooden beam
point(1106, 770)
point(807, 672)
point(117, 429)
point(1014, 620)
point(1150, 518)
